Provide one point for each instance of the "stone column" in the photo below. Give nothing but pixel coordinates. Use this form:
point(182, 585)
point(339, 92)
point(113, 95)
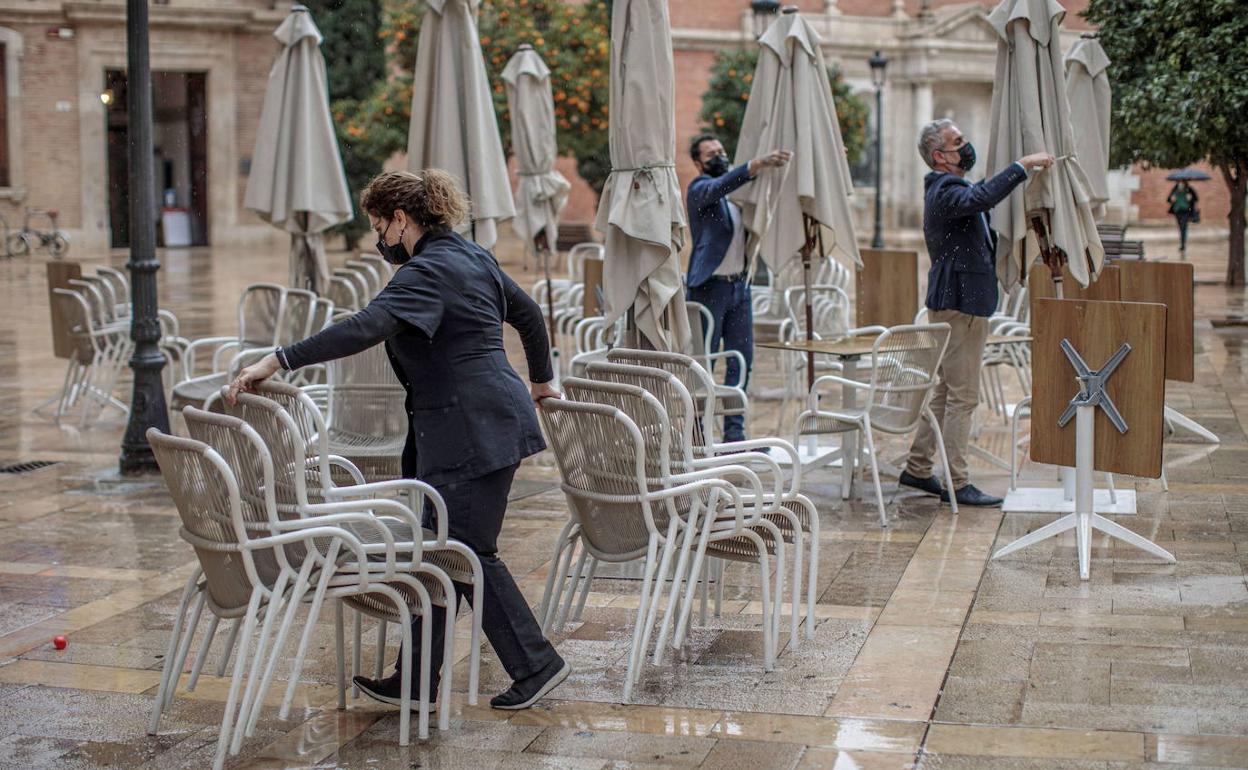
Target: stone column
point(830, 9)
point(899, 9)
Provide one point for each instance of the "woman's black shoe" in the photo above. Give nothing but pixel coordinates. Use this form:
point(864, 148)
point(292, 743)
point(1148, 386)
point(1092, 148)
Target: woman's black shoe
point(531, 689)
point(388, 690)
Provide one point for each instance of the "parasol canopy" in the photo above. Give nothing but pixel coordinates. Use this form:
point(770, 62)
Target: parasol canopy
point(453, 125)
point(1188, 175)
point(640, 211)
point(1031, 114)
point(790, 107)
point(297, 181)
point(1087, 88)
point(542, 191)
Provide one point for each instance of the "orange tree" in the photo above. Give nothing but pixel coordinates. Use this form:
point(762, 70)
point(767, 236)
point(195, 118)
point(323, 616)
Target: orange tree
point(573, 39)
point(732, 75)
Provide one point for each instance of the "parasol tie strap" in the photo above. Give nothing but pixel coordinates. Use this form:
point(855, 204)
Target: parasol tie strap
point(648, 172)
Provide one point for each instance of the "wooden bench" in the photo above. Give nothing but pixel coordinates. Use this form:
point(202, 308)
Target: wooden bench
point(1113, 238)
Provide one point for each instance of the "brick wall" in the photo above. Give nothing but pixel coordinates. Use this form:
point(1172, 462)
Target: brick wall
point(49, 69)
point(1215, 201)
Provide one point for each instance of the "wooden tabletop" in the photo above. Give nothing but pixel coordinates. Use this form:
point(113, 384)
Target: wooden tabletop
point(856, 347)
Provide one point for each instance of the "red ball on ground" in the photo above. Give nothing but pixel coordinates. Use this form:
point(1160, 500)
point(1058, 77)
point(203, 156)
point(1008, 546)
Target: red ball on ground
point(60, 642)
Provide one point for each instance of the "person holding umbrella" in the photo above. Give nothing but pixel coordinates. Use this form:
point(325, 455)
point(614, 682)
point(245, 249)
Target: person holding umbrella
point(962, 292)
point(471, 418)
point(1183, 202)
point(718, 274)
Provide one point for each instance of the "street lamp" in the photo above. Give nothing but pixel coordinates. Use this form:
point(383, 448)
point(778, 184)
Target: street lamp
point(878, 63)
point(763, 12)
point(147, 406)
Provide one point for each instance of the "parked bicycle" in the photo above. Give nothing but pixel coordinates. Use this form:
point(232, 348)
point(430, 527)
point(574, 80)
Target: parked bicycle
point(26, 240)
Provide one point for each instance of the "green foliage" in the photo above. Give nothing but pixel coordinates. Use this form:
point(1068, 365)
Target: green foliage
point(732, 75)
point(574, 40)
point(1179, 73)
point(354, 64)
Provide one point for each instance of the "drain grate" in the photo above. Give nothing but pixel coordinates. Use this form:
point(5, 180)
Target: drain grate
point(27, 467)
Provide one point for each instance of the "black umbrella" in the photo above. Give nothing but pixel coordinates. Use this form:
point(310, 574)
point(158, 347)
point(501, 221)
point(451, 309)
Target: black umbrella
point(1189, 175)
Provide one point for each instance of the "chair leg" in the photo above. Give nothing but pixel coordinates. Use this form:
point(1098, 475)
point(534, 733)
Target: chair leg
point(721, 567)
point(357, 652)
point(544, 609)
point(168, 673)
point(252, 703)
point(573, 588)
point(184, 646)
point(875, 469)
point(314, 611)
point(561, 566)
point(229, 647)
point(405, 682)
point(236, 680)
point(340, 643)
point(578, 612)
point(678, 579)
point(812, 578)
point(944, 457)
point(202, 655)
point(379, 663)
point(636, 653)
point(665, 565)
point(695, 571)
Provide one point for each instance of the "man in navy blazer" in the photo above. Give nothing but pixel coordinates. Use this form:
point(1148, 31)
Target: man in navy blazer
point(718, 274)
point(962, 292)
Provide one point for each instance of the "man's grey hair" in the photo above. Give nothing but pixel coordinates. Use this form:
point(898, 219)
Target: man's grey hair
point(931, 139)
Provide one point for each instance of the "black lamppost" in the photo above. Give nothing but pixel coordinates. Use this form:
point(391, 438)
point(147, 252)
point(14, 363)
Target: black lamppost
point(764, 11)
point(147, 406)
point(878, 63)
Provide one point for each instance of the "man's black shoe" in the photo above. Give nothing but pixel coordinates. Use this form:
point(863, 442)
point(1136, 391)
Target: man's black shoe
point(929, 485)
point(388, 690)
point(969, 495)
point(530, 690)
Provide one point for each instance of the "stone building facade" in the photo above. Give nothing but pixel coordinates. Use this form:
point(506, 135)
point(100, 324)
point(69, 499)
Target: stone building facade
point(63, 132)
point(64, 118)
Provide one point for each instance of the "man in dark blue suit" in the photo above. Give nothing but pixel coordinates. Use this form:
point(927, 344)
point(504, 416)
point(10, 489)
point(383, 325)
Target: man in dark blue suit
point(718, 273)
point(962, 292)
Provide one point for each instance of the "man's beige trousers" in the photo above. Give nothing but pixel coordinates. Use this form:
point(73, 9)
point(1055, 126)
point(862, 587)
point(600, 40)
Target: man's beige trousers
point(957, 395)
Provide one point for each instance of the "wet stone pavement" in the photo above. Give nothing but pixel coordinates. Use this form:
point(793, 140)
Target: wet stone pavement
point(926, 654)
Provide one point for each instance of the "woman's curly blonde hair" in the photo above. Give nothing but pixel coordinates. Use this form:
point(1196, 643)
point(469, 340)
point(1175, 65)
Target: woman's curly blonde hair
point(430, 198)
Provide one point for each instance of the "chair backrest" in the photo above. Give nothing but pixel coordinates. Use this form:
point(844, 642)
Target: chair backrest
point(206, 495)
point(295, 484)
point(119, 280)
point(677, 404)
point(702, 328)
point(646, 412)
point(371, 275)
point(72, 311)
point(259, 311)
point(829, 310)
point(601, 458)
point(365, 397)
point(904, 365)
point(696, 380)
point(296, 316)
point(577, 256)
point(342, 293)
point(98, 305)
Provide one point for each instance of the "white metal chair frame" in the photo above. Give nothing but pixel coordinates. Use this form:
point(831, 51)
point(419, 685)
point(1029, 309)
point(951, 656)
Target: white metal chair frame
point(878, 392)
point(647, 493)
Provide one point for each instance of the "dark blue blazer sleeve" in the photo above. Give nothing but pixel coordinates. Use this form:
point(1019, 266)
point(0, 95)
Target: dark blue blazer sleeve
point(367, 328)
point(963, 200)
point(705, 191)
point(526, 316)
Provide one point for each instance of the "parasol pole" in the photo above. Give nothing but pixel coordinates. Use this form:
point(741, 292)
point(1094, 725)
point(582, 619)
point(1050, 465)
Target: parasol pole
point(1053, 257)
point(813, 236)
point(541, 245)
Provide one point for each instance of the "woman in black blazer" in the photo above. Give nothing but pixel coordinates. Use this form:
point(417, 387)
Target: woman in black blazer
point(471, 418)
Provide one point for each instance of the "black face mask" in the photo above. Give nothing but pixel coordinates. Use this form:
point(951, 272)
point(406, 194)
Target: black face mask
point(718, 165)
point(966, 156)
point(395, 254)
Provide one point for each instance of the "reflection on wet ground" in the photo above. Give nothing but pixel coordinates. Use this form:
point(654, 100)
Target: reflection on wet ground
point(925, 654)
